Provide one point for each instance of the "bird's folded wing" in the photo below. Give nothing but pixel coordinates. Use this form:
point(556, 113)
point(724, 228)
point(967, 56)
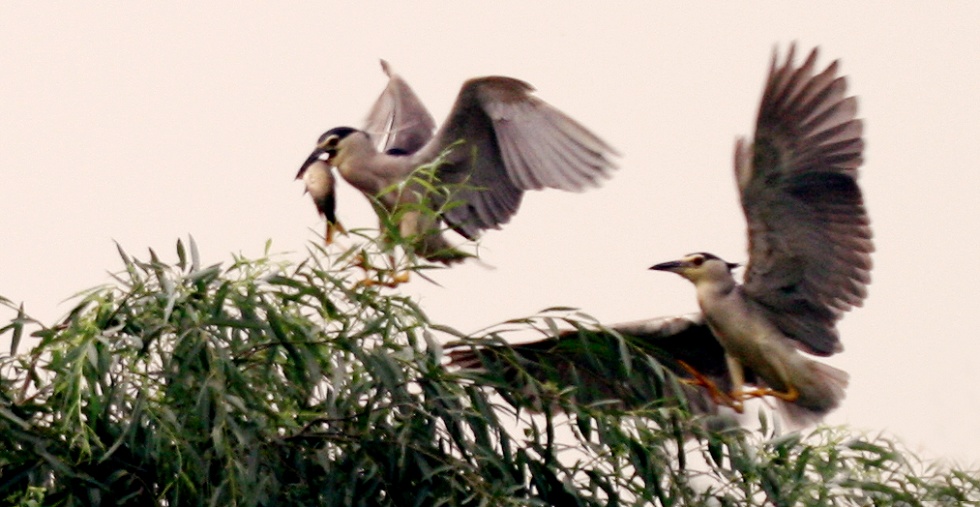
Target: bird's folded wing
point(809, 234)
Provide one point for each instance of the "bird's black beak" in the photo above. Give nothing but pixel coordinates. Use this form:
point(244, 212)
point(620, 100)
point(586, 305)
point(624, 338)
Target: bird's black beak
point(671, 266)
point(317, 154)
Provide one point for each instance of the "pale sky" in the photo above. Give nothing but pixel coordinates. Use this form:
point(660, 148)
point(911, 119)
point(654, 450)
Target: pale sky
point(142, 123)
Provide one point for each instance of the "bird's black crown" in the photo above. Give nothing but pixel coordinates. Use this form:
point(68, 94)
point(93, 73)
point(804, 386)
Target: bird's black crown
point(340, 132)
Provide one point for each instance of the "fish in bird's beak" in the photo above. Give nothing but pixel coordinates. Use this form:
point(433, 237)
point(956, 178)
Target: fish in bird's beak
point(317, 155)
point(319, 180)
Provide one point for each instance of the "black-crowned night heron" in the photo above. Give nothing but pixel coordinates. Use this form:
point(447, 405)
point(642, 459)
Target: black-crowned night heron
point(510, 141)
point(809, 256)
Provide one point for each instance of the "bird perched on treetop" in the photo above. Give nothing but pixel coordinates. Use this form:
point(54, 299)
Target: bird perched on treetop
point(509, 141)
point(809, 256)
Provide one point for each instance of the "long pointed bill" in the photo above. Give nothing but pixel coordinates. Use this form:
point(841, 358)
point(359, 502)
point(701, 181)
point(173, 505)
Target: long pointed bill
point(314, 157)
point(672, 266)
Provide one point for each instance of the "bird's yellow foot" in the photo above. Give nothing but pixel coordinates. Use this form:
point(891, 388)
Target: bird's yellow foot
point(401, 278)
point(790, 394)
point(374, 276)
point(395, 281)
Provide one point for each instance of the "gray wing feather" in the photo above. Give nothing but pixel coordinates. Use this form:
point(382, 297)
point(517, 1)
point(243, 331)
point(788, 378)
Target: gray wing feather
point(809, 234)
point(398, 118)
point(512, 141)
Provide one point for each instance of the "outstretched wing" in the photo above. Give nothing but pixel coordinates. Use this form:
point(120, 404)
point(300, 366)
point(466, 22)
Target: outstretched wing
point(616, 363)
point(809, 235)
point(512, 141)
point(398, 119)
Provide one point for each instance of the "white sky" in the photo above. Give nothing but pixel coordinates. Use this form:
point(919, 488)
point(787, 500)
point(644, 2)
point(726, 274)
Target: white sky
point(143, 123)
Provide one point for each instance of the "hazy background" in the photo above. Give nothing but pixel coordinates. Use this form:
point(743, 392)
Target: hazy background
point(145, 123)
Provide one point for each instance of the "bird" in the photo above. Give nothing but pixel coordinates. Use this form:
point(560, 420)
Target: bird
point(810, 246)
point(498, 141)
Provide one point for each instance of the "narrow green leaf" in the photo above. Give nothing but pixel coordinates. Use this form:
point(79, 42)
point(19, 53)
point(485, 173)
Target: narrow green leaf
point(18, 329)
point(181, 255)
point(195, 255)
point(10, 416)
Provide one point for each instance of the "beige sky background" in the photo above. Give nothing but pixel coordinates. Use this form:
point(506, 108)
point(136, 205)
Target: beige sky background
point(143, 123)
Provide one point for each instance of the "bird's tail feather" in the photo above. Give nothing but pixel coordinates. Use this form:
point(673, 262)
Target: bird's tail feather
point(822, 393)
point(435, 248)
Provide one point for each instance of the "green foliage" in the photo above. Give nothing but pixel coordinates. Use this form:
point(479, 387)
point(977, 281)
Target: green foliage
point(411, 215)
point(266, 383)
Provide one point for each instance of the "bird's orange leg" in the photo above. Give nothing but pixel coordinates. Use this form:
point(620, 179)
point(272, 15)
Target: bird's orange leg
point(717, 395)
point(396, 277)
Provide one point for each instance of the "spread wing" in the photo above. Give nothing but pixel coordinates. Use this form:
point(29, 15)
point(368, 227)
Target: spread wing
point(512, 141)
point(612, 363)
point(398, 119)
point(809, 234)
